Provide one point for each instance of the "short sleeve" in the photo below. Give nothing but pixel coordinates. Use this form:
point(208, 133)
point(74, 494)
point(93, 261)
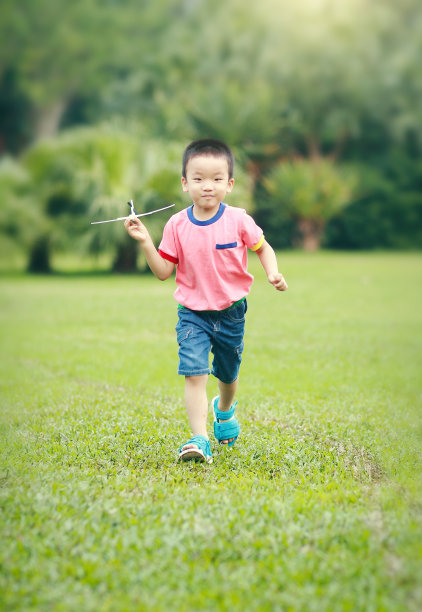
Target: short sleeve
point(167, 248)
point(252, 234)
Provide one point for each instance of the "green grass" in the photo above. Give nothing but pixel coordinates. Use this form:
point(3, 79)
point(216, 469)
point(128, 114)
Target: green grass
point(317, 507)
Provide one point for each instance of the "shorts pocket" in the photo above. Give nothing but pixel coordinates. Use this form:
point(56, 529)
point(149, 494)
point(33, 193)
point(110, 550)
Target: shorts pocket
point(237, 313)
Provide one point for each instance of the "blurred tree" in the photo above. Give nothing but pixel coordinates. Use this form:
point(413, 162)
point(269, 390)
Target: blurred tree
point(20, 217)
point(314, 67)
point(151, 177)
point(64, 52)
point(311, 192)
point(302, 75)
point(387, 212)
point(314, 78)
point(15, 114)
point(90, 174)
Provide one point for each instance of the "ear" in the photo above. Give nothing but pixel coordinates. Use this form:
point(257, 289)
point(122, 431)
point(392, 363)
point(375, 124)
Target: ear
point(184, 184)
point(230, 185)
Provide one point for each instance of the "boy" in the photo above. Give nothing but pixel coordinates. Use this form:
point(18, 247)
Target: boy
point(208, 243)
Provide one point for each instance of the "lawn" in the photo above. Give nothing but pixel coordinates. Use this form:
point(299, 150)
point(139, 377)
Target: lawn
point(318, 507)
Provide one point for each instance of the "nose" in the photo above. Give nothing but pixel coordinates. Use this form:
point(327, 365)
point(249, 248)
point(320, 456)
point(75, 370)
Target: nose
point(207, 186)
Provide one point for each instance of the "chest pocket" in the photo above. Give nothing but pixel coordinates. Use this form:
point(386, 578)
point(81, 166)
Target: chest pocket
point(228, 245)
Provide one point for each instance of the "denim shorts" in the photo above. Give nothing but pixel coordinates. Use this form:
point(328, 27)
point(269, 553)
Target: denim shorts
point(221, 333)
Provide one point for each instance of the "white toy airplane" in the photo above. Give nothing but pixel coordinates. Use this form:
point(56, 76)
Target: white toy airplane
point(133, 213)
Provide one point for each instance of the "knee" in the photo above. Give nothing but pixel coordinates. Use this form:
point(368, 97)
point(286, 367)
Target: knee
point(196, 381)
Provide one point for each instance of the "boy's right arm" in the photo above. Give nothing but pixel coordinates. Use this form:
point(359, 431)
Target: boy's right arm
point(162, 268)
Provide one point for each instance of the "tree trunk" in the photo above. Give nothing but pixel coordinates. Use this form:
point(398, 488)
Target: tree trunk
point(39, 257)
point(311, 232)
point(314, 149)
point(49, 118)
point(126, 257)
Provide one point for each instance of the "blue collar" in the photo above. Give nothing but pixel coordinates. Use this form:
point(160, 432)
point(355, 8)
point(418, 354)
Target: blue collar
point(209, 221)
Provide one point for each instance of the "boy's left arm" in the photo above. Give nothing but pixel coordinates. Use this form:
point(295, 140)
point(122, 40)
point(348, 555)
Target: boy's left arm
point(269, 263)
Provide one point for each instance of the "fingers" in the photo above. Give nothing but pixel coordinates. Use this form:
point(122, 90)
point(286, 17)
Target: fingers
point(282, 285)
point(134, 226)
point(132, 221)
point(136, 229)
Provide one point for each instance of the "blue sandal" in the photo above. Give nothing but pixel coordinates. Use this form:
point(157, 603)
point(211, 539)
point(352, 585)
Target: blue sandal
point(201, 453)
point(229, 428)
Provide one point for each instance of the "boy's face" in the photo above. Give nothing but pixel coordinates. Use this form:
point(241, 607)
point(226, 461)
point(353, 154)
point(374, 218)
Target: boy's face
point(207, 181)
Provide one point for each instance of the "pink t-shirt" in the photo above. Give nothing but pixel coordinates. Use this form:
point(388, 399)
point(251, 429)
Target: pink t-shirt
point(211, 256)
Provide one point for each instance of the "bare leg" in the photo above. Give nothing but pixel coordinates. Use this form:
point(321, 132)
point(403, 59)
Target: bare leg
point(227, 393)
point(197, 404)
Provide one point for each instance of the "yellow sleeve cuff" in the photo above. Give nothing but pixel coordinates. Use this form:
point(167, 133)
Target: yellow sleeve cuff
point(259, 244)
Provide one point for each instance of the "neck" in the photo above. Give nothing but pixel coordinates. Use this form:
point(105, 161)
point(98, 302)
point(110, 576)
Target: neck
point(205, 215)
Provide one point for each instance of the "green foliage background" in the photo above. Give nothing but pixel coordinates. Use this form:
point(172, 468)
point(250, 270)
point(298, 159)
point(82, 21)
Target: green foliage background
point(315, 82)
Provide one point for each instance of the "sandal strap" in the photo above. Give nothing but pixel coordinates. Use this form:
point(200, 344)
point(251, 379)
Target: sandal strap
point(201, 442)
point(224, 414)
point(226, 430)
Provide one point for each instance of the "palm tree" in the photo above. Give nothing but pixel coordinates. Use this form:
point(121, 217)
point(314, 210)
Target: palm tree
point(311, 192)
point(90, 174)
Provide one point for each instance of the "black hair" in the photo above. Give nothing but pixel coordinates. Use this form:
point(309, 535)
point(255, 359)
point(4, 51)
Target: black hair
point(208, 146)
